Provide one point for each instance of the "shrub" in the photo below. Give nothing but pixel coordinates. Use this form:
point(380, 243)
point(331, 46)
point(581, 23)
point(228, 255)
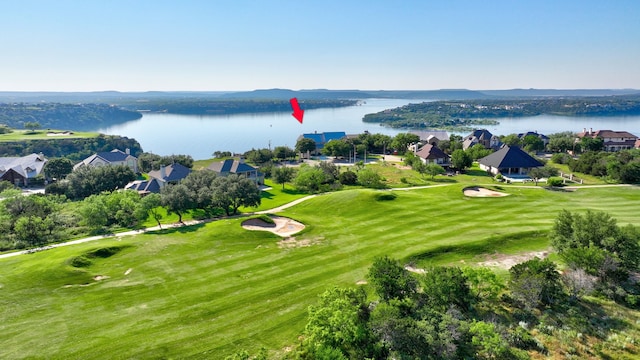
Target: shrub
point(555, 181)
point(348, 178)
point(560, 158)
point(386, 196)
point(499, 177)
point(80, 261)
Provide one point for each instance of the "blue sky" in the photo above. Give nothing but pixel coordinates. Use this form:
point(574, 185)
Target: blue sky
point(87, 45)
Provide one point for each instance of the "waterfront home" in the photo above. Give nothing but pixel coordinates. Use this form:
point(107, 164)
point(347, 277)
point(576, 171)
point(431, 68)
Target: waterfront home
point(509, 160)
point(110, 158)
point(238, 167)
point(19, 170)
point(611, 140)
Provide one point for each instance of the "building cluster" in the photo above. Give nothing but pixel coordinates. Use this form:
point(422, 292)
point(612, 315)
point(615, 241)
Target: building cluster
point(506, 160)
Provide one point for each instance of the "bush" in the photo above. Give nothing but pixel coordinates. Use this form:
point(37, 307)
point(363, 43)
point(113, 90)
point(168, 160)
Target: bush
point(499, 177)
point(348, 178)
point(80, 261)
point(560, 158)
point(386, 196)
point(555, 181)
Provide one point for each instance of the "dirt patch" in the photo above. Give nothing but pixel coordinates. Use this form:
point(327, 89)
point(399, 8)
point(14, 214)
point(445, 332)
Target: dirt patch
point(415, 270)
point(292, 242)
point(100, 277)
point(503, 261)
point(482, 192)
point(283, 226)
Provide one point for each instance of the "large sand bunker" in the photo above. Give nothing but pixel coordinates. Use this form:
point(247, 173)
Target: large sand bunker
point(476, 191)
point(283, 226)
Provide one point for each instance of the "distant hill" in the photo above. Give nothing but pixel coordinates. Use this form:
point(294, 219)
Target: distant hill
point(129, 98)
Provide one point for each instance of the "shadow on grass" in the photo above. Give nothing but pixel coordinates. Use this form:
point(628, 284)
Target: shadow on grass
point(445, 180)
point(467, 251)
point(184, 229)
point(478, 173)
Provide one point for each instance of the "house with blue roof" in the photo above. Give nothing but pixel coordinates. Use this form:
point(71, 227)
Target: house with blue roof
point(322, 138)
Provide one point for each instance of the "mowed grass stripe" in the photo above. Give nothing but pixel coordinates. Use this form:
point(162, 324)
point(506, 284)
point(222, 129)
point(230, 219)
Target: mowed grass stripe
point(211, 291)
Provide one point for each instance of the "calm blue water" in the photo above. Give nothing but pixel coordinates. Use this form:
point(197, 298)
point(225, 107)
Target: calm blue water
point(200, 136)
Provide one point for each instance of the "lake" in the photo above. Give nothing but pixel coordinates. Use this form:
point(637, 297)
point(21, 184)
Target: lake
point(200, 136)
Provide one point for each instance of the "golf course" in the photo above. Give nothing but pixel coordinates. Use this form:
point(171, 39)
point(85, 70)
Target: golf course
point(209, 290)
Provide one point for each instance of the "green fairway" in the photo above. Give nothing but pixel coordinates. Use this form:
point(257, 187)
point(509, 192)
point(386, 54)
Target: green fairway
point(22, 135)
point(209, 290)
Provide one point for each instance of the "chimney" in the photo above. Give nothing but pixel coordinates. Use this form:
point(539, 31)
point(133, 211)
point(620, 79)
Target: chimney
point(127, 151)
point(163, 171)
point(590, 131)
point(241, 160)
point(41, 156)
point(584, 131)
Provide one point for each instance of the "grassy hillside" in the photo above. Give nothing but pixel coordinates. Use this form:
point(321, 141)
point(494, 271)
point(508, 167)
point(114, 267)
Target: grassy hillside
point(209, 290)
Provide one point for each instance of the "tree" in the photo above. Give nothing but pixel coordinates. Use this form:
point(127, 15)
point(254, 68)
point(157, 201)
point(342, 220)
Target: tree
point(283, 174)
point(222, 154)
point(305, 145)
point(58, 168)
point(390, 280)
point(177, 199)
point(339, 148)
point(330, 170)
point(535, 283)
point(532, 143)
point(309, 179)
point(150, 205)
point(478, 151)
point(231, 192)
point(591, 144)
point(200, 184)
point(433, 170)
point(511, 140)
point(259, 157)
point(283, 152)
point(381, 141)
point(593, 240)
point(461, 160)
point(339, 321)
point(32, 125)
point(348, 178)
point(402, 141)
point(89, 180)
point(445, 286)
point(33, 230)
point(561, 142)
point(542, 172)
point(369, 178)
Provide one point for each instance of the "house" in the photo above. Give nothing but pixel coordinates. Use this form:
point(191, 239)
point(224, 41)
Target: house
point(509, 160)
point(431, 137)
point(144, 187)
point(430, 154)
point(322, 138)
point(612, 140)
point(170, 174)
point(19, 170)
point(112, 158)
point(544, 138)
point(483, 137)
point(238, 167)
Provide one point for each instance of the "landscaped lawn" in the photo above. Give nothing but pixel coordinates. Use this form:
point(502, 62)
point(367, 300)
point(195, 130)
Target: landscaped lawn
point(209, 290)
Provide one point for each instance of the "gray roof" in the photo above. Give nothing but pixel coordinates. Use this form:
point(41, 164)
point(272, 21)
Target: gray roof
point(481, 134)
point(231, 166)
point(112, 156)
point(173, 172)
point(510, 157)
point(144, 186)
point(28, 166)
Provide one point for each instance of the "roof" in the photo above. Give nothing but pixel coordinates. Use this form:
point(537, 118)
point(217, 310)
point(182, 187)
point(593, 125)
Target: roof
point(322, 138)
point(26, 166)
point(173, 172)
point(510, 157)
point(534, 133)
point(431, 152)
point(144, 185)
point(607, 134)
point(481, 134)
point(231, 166)
point(427, 135)
point(112, 156)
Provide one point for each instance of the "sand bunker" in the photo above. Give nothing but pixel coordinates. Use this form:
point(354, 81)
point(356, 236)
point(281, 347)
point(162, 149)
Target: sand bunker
point(507, 261)
point(283, 226)
point(482, 192)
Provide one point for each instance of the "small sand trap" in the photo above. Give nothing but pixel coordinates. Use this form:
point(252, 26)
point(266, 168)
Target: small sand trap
point(283, 226)
point(100, 277)
point(482, 192)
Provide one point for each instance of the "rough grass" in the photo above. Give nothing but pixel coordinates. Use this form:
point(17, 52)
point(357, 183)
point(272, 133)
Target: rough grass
point(209, 290)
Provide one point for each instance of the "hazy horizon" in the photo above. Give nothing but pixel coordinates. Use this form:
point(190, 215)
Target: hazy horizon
point(88, 46)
